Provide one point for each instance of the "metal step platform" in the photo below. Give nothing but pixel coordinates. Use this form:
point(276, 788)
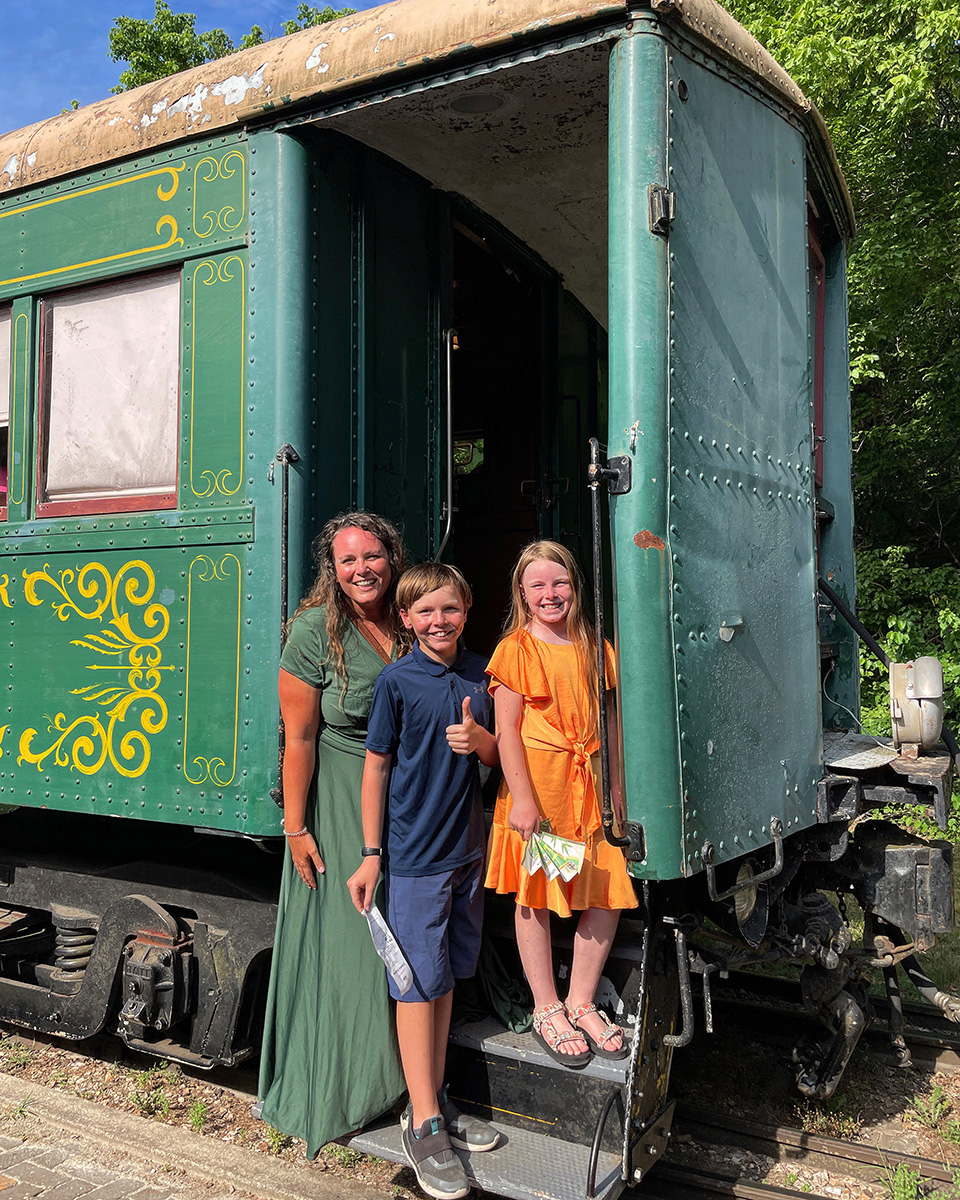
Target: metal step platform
point(546, 1113)
point(525, 1166)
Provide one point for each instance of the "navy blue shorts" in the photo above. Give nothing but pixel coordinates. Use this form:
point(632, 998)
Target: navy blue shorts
point(437, 921)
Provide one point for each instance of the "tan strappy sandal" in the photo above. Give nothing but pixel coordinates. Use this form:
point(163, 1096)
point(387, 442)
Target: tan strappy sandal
point(546, 1034)
point(598, 1045)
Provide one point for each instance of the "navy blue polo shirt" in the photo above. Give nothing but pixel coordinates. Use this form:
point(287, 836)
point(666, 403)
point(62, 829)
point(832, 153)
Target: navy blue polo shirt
point(434, 816)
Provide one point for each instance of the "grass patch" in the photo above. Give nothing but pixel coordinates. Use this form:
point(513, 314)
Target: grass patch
point(199, 1111)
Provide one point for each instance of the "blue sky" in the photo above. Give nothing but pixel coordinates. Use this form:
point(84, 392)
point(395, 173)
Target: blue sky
point(55, 51)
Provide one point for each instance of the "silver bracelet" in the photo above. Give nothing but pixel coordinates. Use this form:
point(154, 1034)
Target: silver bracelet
point(299, 833)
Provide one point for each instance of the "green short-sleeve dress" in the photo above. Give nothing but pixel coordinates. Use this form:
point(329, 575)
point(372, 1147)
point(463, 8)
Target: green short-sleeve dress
point(330, 1061)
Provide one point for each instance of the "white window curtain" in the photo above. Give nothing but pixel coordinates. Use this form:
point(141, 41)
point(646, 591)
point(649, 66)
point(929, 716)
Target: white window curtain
point(112, 388)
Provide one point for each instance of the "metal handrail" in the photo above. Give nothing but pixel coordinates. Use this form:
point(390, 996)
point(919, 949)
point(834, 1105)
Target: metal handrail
point(450, 342)
point(595, 476)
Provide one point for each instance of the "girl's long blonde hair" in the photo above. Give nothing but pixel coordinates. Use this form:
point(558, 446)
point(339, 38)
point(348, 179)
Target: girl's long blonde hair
point(326, 590)
point(579, 627)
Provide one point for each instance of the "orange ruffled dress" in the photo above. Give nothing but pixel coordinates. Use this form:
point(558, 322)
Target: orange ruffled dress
point(555, 712)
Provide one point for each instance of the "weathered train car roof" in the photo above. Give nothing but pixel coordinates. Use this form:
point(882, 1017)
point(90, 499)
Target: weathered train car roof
point(402, 37)
point(539, 167)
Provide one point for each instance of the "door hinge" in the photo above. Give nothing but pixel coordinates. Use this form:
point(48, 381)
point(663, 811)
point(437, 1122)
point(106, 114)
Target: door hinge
point(661, 209)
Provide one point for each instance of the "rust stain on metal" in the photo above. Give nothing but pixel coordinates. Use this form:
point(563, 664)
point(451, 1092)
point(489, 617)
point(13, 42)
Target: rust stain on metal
point(646, 540)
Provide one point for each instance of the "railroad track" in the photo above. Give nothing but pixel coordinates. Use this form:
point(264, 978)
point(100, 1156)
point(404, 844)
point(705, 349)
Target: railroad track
point(673, 1180)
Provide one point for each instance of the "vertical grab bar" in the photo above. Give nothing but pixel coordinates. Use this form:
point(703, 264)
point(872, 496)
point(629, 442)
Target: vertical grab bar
point(450, 344)
point(285, 456)
point(596, 474)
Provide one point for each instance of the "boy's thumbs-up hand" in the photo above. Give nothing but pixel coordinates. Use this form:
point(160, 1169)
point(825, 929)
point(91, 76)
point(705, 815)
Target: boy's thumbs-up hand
point(465, 737)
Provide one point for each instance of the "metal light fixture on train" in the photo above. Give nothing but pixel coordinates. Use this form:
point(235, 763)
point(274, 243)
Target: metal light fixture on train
point(750, 905)
point(916, 704)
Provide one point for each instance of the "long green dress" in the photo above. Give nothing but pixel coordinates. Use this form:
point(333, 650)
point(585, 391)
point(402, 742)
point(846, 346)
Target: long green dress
point(330, 1061)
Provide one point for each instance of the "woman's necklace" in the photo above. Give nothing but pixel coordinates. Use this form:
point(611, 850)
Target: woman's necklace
point(370, 631)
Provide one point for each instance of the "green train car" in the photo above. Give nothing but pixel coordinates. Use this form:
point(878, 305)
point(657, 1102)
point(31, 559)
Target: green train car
point(414, 261)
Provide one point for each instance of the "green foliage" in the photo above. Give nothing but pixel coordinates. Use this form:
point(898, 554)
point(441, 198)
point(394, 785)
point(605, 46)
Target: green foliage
point(911, 610)
point(830, 1118)
point(342, 1155)
point(931, 1110)
point(277, 1141)
point(903, 1182)
point(149, 1095)
point(20, 1108)
point(199, 1111)
point(308, 15)
point(886, 77)
point(170, 42)
point(163, 46)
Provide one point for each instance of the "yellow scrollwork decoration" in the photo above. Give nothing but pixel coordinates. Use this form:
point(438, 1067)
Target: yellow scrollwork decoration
point(208, 273)
point(4, 584)
point(171, 224)
point(3, 730)
point(174, 173)
point(198, 768)
point(86, 743)
point(207, 170)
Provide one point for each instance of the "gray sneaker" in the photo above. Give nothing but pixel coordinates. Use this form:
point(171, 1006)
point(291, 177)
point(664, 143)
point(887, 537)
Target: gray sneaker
point(466, 1131)
point(438, 1170)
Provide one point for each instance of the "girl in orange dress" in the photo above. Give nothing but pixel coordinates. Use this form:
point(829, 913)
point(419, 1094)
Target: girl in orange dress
point(544, 692)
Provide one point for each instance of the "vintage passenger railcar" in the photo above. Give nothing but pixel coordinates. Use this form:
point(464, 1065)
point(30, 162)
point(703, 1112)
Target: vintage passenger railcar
point(414, 261)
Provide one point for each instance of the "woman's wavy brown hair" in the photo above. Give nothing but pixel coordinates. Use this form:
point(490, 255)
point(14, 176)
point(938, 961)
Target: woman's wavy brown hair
point(327, 591)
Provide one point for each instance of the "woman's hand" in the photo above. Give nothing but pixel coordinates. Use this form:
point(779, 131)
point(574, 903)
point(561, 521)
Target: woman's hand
point(524, 818)
point(362, 884)
point(306, 858)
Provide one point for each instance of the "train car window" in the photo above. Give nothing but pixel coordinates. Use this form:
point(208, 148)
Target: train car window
point(110, 397)
point(5, 333)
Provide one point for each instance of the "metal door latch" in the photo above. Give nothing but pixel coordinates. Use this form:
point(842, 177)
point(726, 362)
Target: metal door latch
point(661, 209)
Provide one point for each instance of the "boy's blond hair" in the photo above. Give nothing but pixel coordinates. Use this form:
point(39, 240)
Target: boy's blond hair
point(417, 581)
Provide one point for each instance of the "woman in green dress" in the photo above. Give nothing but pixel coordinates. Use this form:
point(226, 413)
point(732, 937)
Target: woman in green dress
point(330, 1060)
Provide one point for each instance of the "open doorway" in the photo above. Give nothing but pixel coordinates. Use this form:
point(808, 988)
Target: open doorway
point(498, 387)
point(528, 385)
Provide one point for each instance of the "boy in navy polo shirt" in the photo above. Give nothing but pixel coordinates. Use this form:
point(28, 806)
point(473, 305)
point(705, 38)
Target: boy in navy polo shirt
point(429, 728)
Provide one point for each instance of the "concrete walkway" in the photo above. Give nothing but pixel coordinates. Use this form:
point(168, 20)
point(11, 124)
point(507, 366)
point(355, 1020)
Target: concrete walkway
point(55, 1146)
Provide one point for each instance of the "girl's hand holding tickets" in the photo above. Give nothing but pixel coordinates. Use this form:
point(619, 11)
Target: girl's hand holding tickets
point(524, 818)
point(465, 737)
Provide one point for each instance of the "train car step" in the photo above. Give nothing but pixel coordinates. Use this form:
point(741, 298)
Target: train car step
point(525, 1166)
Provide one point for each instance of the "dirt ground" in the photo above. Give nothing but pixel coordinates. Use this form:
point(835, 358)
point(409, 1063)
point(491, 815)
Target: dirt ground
point(906, 1110)
point(909, 1110)
point(214, 1105)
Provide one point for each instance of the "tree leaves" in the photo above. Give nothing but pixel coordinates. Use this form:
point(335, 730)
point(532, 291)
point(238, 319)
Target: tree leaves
point(170, 42)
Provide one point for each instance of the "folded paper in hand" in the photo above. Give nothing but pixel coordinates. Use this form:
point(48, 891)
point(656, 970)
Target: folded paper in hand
point(387, 946)
point(554, 855)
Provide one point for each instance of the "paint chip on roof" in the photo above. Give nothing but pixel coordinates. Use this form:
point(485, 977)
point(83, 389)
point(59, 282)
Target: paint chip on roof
point(191, 103)
point(236, 87)
point(316, 59)
point(384, 37)
point(31, 159)
point(11, 166)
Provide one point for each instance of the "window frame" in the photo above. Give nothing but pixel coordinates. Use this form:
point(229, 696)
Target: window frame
point(4, 505)
point(152, 502)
